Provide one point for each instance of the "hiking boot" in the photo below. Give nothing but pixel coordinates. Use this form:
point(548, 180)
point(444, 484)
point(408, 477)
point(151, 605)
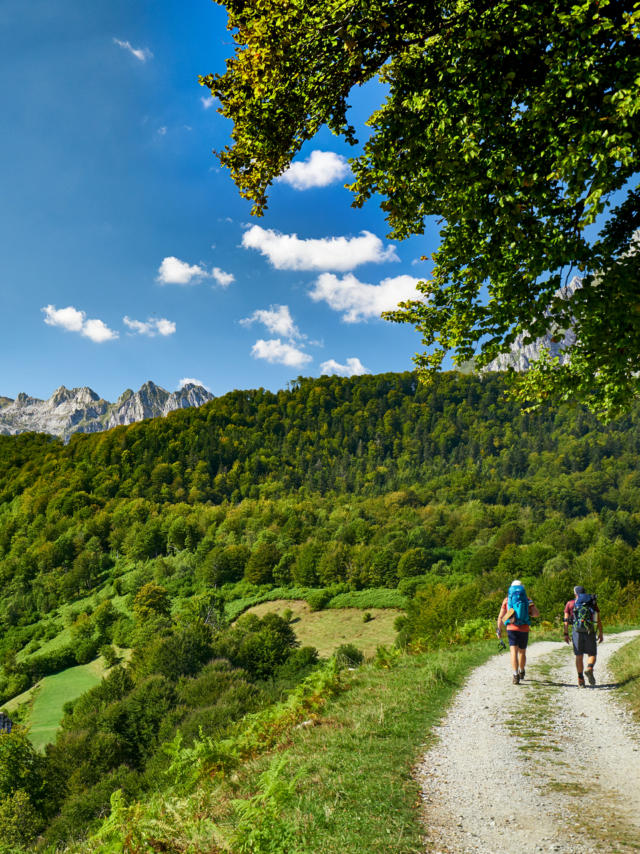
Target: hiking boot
point(521, 675)
point(581, 681)
point(516, 678)
point(589, 674)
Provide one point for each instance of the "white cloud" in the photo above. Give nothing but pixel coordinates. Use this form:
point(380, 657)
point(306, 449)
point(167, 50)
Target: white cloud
point(277, 319)
point(207, 101)
point(173, 271)
point(353, 366)
point(289, 252)
point(321, 169)
point(151, 327)
point(359, 301)
point(68, 318)
point(222, 278)
point(162, 131)
point(98, 331)
point(74, 320)
point(141, 53)
point(279, 352)
point(192, 381)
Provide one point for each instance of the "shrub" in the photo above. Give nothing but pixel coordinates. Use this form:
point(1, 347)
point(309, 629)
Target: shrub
point(19, 822)
point(319, 599)
point(477, 629)
point(349, 655)
point(109, 654)
point(376, 597)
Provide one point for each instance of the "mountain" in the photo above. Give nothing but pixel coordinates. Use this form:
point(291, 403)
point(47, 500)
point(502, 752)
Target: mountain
point(81, 410)
point(521, 355)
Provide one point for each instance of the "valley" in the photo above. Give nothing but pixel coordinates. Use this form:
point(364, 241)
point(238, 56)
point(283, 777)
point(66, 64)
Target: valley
point(263, 558)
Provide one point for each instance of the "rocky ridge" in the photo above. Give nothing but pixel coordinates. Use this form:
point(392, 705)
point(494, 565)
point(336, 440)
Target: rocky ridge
point(81, 410)
point(520, 356)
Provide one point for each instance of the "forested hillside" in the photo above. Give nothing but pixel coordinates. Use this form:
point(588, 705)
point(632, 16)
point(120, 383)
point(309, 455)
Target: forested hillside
point(151, 537)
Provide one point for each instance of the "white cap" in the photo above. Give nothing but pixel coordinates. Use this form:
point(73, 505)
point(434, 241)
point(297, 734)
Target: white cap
point(516, 583)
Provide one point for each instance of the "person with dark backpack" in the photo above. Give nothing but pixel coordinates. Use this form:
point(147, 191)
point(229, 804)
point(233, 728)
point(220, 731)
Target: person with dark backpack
point(515, 613)
point(583, 615)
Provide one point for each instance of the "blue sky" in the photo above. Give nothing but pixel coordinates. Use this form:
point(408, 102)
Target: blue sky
point(128, 253)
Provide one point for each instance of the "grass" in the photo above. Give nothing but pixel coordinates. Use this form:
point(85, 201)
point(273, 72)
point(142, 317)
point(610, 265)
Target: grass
point(341, 782)
point(357, 792)
point(53, 692)
point(327, 630)
point(625, 666)
point(46, 699)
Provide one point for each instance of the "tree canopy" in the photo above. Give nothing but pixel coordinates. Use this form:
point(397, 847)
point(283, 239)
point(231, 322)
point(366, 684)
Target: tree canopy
point(512, 123)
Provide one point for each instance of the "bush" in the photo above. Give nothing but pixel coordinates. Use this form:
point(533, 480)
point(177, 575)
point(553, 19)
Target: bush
point(109, 654)
point(19, 822)
point(367, 617)
point(349, 655)
point(376, 597)
point(478, 629)
point(319, 599)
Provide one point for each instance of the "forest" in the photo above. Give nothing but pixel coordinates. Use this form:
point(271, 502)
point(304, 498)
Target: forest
point(145, 543)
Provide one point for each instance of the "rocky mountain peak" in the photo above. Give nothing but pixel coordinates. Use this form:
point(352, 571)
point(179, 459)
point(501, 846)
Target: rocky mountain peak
point(81, 410)
point(521, 355)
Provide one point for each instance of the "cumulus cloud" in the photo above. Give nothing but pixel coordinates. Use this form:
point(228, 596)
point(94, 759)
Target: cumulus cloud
point(277, 319)
point(192, 381)
point(173, 271)
point(289, 252)
point(319, 170)
point(207, 101)
point(359, 301)
point(68, 318)
point(151, 327)
point(74, 320)
point(222, 278)
point(353, 367)
point(279, 352)
point(140, 53)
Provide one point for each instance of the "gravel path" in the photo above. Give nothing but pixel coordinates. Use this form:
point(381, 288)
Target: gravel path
point(541, 766)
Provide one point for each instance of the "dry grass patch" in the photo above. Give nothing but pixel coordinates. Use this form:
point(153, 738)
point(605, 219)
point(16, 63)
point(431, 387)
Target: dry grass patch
point(327, 630)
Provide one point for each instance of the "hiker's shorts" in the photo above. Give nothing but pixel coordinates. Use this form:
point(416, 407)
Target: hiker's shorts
point(519, 639)
point(584, 643)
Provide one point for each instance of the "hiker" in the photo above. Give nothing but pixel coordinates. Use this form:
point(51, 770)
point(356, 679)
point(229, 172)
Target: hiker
point(515, 613)
point(583, 615)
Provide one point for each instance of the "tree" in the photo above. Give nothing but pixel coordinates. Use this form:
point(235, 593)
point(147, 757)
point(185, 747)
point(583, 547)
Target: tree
point(512, 123)
point(20, 765)
point(151, 600)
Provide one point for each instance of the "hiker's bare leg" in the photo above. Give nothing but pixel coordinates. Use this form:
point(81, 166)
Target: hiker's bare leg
point(579, 664)
point(591, 660)
point(522, 658)
point(514, 658)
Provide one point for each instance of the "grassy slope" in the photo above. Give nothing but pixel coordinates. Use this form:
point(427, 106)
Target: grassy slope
point(625, 666)
point(355, 791)
point(47, 698)
point(327, 630)
point(54, 692)
point(358, 792)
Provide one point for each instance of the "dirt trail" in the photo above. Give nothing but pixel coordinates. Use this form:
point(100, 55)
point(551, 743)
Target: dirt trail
point(542, 766)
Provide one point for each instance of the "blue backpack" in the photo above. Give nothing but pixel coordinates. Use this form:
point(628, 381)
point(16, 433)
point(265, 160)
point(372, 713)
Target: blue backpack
point(518, 600)
point(584, 613)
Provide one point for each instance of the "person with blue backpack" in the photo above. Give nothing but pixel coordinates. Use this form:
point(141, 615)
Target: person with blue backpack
point(515, 613)
point(583, 615)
